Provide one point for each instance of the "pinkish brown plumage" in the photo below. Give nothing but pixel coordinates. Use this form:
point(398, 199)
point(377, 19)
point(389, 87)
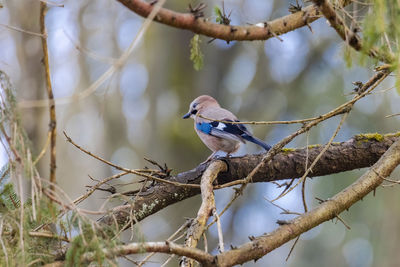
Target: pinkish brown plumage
point(218, 136)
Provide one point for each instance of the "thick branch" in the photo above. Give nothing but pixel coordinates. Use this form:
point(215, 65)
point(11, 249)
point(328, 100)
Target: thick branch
point(225, 32)
point(326, 211)
point(198, 225)
point(359, 152)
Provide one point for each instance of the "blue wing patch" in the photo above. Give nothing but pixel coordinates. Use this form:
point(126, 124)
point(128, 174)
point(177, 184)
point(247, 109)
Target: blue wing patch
point(204, 127)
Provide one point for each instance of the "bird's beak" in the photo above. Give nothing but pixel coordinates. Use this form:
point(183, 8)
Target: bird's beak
point(186, 116)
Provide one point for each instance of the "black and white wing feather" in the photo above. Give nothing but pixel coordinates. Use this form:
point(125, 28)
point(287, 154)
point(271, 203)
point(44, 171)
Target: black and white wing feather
point(237, 132)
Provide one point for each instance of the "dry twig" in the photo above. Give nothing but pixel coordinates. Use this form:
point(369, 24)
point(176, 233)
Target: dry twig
point(143, 174)
point(52, 107)
point(169, 239)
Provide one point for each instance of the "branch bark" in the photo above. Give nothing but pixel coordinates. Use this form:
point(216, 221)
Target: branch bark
point(359, 152)
point(202, 26)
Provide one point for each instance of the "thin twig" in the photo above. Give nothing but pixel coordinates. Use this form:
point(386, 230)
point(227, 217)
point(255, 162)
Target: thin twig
point(170, 238)
point(303, 186)
point(392, 115)
point(220, 234)
point(128, 170)
point(337, 215)
point(205, 242)
point(168, 260)
point(302, 179)
point(262, 122)
point(10, 145)
point(96, 186)
point(52, 108)
point(46, 145)
point(21, 214)
point(48, 235)
point(107, 74)
point(108, 60)
point(22, 30)
point(68, 206)
point(284, 211)
point(291, 249)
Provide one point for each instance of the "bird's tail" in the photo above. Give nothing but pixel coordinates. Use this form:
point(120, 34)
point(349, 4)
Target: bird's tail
point(257, 141)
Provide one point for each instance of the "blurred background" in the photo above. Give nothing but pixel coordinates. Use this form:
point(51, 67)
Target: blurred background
point(137, 113)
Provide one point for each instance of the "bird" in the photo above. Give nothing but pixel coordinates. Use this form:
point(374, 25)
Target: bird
point(216, 132)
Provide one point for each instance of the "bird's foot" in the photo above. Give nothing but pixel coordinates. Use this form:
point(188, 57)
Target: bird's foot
point(214, 156)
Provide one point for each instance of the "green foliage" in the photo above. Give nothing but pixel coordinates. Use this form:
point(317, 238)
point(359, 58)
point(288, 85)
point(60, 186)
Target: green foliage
point(221, 17)
point(90, 241)
point(196, 56)
point(348, 53)
point(17, 220)
point(218, 13)
point(21, 248)
point(381, 32)
point(41, 248)
point(8, 198)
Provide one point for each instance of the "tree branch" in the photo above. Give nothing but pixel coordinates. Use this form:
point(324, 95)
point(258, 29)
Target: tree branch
point(198, 225)
point(200, 25)
point(349, 36)
point(163, 247)
point(260, 246)
point(326, 211)
point(359, 152)
point(52, 107)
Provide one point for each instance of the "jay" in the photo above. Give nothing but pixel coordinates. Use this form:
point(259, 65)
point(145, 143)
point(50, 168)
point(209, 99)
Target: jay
point(217, 135)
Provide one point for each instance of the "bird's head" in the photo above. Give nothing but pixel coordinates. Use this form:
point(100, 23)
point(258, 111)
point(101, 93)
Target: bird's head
point(199, 104)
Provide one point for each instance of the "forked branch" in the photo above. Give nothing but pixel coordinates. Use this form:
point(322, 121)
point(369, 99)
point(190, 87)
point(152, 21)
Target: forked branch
point(198, 226)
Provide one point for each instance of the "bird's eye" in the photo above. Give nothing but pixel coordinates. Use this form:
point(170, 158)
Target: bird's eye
point(194, 105)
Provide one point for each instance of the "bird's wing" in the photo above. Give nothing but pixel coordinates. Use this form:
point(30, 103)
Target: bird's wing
point(223, 130)
point(226, 130)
